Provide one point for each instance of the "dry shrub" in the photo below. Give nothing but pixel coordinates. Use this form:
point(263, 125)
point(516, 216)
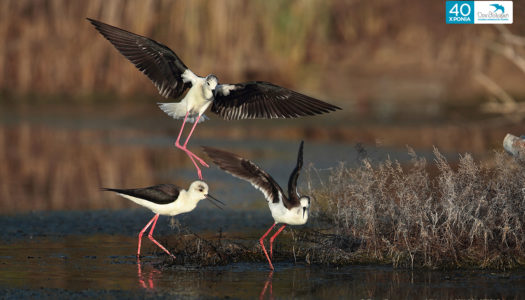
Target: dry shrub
point(472, 215)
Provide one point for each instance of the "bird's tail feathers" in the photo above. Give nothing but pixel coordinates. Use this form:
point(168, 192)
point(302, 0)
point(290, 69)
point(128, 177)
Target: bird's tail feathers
point(178, 111)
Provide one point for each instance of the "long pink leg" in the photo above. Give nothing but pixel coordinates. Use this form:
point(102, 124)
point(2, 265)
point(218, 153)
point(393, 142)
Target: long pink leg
point(144, 230)
point(262, 244)
point(180, 132)
point(150, 236)
point(199, 172)
point(273, 238)
point(202, 162)
point(189, 153)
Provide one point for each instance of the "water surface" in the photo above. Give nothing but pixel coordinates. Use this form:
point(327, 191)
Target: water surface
point(65, 259)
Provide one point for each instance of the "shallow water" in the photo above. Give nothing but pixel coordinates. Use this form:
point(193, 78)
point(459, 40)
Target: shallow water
point(64, 259)
point(102, 264)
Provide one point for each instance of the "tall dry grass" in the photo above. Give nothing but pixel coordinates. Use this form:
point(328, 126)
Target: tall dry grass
point(49, 169)
point(431, 215)
point(50, 48)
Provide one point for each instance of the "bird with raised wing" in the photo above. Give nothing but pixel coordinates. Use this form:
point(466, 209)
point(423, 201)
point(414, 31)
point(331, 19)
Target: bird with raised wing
point(167, 200)
point(291, 210)
point(247, 100)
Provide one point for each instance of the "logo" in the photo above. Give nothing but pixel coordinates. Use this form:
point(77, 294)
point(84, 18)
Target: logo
point(460, 12)
point(489, 12)
point(479, 12)
point(499, 7)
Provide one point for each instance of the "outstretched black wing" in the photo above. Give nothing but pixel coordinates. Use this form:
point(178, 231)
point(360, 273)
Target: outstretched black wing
point(246, 170)
point(264, 100)
point(292, 182)
point(157, 61)
point(159, 194)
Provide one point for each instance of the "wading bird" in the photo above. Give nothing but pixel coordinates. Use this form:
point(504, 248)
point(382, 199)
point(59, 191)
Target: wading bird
point(168, 200)
point(291, 210)
point(247, 100)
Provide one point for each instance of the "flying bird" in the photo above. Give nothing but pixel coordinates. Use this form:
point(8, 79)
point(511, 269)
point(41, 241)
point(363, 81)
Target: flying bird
point(247, 100)
point(292, 209)
point(167, 200)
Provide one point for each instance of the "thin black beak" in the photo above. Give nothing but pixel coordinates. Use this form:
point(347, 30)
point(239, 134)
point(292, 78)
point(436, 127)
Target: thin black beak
point(304, 210)
point(210, 198)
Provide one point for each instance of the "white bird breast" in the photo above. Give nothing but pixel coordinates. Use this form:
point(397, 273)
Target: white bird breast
point(293, 216)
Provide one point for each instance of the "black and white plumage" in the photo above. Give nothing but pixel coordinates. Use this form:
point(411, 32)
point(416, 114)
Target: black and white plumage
point(292, 209)
point(166, 199)
point(248, 100)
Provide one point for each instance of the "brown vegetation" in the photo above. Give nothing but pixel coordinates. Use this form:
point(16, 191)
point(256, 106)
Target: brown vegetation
point(437, 216)
point(50, 48)
point(407, 216)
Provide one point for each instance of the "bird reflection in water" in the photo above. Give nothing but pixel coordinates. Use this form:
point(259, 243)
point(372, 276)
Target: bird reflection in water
point(267, 284)
point(146, 279)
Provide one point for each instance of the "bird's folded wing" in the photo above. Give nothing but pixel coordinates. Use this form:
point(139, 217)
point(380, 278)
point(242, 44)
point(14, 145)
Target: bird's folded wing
point(264, 100)
point(159, 194)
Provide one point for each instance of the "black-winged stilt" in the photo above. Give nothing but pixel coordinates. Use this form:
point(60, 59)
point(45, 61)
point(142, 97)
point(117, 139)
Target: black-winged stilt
point(168, 200)
point(291, 210)
point(247, 100)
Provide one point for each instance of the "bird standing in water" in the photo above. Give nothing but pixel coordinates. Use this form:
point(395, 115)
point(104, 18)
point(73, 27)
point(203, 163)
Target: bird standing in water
point(247, 100)
point(291, 210)
point(168, 200)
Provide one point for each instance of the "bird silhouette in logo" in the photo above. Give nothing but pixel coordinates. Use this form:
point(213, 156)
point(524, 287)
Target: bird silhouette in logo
point(499, 7)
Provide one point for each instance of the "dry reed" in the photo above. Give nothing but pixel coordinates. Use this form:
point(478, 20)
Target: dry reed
point(472, 216)
point(50, 48)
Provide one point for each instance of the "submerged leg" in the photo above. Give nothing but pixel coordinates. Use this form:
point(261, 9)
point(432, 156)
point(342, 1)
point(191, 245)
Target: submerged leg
point(262, 244)
point(150, 236)
point(142, 232)
point(273, 238)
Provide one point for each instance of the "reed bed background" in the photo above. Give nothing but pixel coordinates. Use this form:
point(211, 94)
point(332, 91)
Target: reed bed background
point(344, 50)
point(429, 215)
